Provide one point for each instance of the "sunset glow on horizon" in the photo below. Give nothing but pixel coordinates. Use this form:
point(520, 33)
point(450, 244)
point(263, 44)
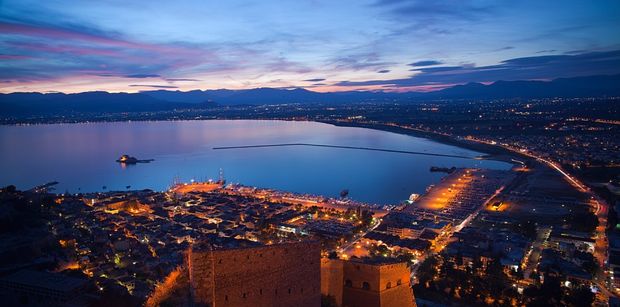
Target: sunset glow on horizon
point(322, 46)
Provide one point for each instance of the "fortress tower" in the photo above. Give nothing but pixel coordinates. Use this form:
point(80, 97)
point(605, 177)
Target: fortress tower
point(275, 275)
point(366, 284)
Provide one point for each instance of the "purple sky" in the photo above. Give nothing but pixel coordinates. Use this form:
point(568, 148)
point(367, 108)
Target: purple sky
point(73, 46)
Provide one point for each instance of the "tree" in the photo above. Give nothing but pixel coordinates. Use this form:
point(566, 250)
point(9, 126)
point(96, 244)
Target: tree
point(612, 218)
point(366, 217)
point(476, 264)
point(427, 270)
point(551, 288)
point(495, 277)
point(382, 249)
point(348, 213)
point(406, 257)
point(589, 263)
point(534, 275)
point(528, 229)
point(584, 221)
point(518, 273)
point(580, 296)
point(459, 259)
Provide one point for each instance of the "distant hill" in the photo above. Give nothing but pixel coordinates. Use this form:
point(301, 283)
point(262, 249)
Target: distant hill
point(593, 86)
point(259, 96)
point(57, 103)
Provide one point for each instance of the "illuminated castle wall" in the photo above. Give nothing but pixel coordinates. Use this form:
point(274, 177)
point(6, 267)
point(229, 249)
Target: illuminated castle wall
point(332, 278)
point(360, 284)
point(274, 275)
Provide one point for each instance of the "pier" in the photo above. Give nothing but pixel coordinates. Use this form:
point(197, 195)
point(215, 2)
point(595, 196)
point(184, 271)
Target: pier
point(348, 147)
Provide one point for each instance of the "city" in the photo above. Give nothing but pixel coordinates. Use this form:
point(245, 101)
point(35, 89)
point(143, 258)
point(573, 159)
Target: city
point(311, 153)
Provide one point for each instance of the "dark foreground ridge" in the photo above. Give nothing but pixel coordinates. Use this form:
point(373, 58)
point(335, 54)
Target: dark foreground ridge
point(349, 147)
point(46, 105)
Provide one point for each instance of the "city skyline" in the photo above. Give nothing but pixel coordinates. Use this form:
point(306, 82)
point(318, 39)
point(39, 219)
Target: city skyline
point(319, 46)
point(373, 153)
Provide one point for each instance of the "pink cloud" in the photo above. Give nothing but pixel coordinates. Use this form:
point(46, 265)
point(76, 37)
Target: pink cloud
point(67, 35)
point(13, 57)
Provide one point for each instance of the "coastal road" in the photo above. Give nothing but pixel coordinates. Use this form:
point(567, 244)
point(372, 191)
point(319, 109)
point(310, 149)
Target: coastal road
point(600, 207)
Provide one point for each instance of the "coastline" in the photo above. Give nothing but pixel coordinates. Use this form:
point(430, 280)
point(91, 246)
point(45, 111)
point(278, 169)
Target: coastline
point(376, 127)
point(491, 152)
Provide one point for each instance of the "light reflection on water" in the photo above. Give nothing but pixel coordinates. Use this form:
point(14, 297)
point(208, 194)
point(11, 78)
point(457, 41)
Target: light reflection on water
point(82, 157)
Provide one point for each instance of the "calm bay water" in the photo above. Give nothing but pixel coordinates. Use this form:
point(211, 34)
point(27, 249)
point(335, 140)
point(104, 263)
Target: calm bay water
point(81, 157)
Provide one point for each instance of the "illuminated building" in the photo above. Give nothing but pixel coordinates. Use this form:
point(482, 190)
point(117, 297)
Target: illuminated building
point(275, 275)
point(357, 283)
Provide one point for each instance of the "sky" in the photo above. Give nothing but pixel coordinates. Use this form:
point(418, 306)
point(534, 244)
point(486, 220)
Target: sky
point(389, 45)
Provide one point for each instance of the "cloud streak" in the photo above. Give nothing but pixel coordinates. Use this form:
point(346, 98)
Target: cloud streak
point(142, 76)
point(154, 86)
point(378, 45)
point(425, 63)
point(525, 68)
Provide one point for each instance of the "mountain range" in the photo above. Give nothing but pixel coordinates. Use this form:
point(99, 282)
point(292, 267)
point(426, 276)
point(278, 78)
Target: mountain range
point(159, 100)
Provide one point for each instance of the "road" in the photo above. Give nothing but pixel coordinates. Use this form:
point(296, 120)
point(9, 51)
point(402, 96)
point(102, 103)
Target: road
point(600, 207)
point(441, 244)
point(537, 247)
point(344, 248)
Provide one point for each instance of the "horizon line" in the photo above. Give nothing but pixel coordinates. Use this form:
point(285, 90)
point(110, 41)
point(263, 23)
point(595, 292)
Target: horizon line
point(291, 88)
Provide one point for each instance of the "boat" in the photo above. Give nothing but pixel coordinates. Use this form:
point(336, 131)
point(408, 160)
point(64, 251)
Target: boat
point(127, 159)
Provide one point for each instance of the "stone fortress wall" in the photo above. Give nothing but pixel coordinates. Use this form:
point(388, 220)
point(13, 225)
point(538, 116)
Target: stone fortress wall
point(274, 275)
point(357, 284)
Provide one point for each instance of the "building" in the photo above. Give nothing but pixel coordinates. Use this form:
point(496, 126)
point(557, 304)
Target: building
point(582, 241)
point(358, 283)
point(332, 279)
point(409, 226)
point(274, 275)
point(289, 274)
point(51, 289)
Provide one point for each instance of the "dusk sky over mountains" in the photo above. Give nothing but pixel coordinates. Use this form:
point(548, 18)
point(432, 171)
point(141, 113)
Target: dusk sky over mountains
point(390, 45)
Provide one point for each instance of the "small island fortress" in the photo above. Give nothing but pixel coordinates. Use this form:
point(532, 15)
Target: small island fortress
point(127, 159)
